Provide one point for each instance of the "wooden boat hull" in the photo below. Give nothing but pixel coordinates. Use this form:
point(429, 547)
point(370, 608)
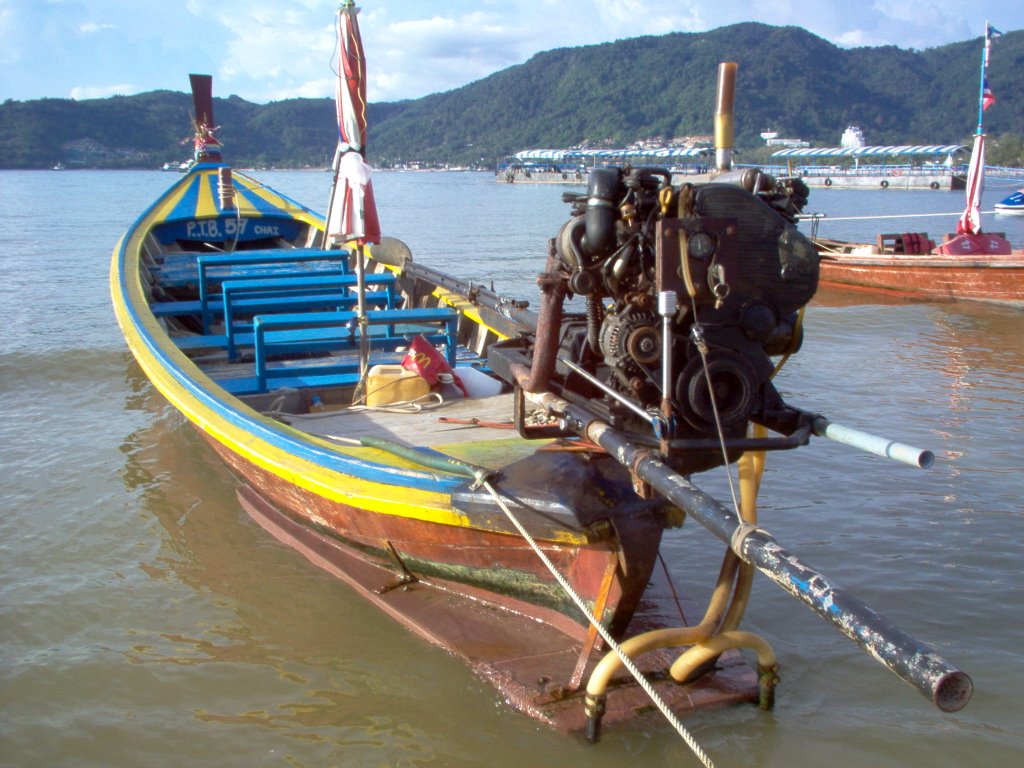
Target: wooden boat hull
point(361, 495)
point(935, 277)
point(387, 523)
point(490, 564)
point(527, 660)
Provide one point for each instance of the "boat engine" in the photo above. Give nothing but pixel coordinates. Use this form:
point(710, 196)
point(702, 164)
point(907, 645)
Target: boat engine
point(689, 291)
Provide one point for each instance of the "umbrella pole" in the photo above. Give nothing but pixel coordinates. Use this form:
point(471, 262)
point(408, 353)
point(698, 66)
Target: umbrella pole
point(364, 341)
point(336, 167)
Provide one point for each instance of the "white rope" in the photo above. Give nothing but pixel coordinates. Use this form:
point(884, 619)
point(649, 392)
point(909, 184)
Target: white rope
point(698, 338)
point(626, 661)
point(826, 217)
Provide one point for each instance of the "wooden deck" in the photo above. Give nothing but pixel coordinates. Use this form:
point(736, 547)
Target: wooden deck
point(423, 428)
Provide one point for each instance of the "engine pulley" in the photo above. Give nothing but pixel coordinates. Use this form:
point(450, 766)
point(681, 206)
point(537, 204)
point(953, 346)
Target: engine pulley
point(734, 387)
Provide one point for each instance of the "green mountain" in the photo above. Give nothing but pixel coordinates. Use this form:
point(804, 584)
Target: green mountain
point(790, 81)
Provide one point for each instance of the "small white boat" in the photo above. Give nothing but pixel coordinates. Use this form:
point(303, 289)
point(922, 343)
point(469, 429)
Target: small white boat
point(1012, 204)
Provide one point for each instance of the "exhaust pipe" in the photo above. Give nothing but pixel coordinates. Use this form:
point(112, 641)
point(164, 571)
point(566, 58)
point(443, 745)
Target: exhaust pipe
point(724, 103)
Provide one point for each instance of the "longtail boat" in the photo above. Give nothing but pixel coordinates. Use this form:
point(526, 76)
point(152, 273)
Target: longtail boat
point(968, 265)
point(908, 264)
point(499, 480)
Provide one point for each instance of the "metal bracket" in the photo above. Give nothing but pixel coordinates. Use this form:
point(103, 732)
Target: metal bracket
point(404, 579)
point(533, 431)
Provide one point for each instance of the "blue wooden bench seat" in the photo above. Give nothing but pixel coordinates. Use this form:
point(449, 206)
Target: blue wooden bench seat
point(184, 307)
point(303, 304)
point(219, 341)
point(266, 295)
point(312, 332)
point(316, 281)
point(239, 333)
point(206, 262)
point(209, 341)
point(300, 374)
point(291, 284)
point(189, 279)
point(182, 269)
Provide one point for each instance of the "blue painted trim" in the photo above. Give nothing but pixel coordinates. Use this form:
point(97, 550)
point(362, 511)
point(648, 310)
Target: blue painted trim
point(186, 207)
point(257, 202)
point(365, 470)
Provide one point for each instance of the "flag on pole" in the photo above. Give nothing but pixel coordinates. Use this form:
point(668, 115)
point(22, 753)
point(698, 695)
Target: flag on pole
point(987, 97)
point(991, 32)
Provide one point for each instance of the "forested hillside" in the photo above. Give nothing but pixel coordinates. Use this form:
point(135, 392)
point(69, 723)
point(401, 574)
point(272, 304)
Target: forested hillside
point(790, 81)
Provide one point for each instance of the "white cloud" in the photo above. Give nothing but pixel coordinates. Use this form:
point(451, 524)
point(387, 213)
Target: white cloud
point(92, 27)
point(418, 56)
point(273, 49)
point(102, 92)
point(268, 50)
point(643, 17)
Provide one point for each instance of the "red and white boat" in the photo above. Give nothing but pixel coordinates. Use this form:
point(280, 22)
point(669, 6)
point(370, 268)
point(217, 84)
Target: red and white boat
point(970, 265)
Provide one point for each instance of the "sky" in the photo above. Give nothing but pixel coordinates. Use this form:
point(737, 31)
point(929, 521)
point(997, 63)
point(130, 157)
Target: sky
point(268, 50)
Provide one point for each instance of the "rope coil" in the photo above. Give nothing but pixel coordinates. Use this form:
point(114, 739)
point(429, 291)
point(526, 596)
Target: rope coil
point(743, 530)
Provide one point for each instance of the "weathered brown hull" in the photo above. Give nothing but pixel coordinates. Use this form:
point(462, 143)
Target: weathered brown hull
point(537, 668)
point(996, 279)
point(485, 565)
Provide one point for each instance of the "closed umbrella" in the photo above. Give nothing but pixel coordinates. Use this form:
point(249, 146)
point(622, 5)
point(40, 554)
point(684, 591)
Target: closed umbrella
point(970, 220)
point(352, 212)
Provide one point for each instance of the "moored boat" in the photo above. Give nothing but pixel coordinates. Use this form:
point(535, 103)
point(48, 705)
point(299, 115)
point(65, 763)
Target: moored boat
point(909, 265)
point(970, 264)
point(1012, 203)
point(499, 480)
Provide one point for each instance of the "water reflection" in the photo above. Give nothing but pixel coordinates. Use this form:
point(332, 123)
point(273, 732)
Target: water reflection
point(253, 636)
point(259, 645)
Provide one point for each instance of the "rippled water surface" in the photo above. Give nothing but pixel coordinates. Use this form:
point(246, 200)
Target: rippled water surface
point(145, 620)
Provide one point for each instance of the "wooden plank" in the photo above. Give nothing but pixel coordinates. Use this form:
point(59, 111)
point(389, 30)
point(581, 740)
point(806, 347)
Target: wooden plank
point(423, 428)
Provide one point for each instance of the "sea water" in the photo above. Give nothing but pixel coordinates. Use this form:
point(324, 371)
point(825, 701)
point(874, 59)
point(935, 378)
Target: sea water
point(146, 621)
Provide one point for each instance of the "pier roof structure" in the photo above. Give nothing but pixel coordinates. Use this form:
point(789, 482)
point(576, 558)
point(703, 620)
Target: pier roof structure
point(585, 155)
point(881, 151)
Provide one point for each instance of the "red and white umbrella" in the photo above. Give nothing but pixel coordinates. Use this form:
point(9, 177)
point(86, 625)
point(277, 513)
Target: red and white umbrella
point(352, 212)
point(970, 220)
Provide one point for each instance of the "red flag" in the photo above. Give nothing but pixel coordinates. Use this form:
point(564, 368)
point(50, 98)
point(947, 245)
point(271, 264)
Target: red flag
point(987, 97)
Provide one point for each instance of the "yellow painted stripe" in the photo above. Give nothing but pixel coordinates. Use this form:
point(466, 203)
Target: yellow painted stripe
point(163, 210)
point(206, 205)
point(466, 307)
point(337, 486)
point(377, 497)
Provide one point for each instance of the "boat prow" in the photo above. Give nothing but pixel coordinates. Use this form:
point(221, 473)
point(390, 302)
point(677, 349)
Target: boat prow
point(1011, 204)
